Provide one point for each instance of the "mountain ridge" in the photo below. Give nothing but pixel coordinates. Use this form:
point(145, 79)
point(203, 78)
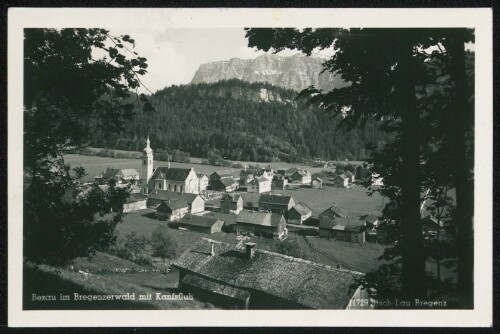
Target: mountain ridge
point(295, 72)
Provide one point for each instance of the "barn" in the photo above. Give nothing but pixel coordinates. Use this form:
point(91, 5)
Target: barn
point(172, 210)
point(208, 225)
point(136, 201)
point(343, 229)
point(299, 213)
point(252, 278)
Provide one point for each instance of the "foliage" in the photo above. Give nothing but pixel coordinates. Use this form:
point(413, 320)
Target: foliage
point(164, 244)
point(402, 78)
point(71, 94)
point(229, 119)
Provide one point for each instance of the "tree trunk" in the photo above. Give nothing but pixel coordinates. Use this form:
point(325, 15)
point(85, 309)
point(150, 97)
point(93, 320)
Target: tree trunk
point(461, 118)
point(413, 262)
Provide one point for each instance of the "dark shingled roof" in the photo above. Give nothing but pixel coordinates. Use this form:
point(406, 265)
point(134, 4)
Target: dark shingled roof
point(227, 181)
point(275, 199)
point(136, 197)
point(174, 174)
point(335, 209)
point(307, 283)
point(202, 221)
point(259, 218)
point(173, 204)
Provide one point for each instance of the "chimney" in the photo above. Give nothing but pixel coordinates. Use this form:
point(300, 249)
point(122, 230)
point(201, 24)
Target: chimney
point(338, 266)
point(250, 249)
point(212, 251)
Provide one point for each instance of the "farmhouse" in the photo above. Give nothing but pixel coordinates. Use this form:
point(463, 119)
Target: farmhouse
point(350, 175)
point(316, 182)
point(195, 202)
point(230, 203)
point(301, 177)
point(341, 180)
point(261, 223)
point(182, 180)
point(259, 185)
point(201, 224)
point(276, 203)
point(202, 182)
point(227, 184)
point(259, 279)
point(136, 201)
point(344, 229)
point(335, 211)
point(119, 176)
point(299, 213)
point(172, 210)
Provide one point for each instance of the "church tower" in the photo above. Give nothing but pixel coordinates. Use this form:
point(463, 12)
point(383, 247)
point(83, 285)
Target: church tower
point(147, 161)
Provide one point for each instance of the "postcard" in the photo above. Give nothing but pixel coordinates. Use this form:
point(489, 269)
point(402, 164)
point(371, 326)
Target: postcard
point(250, 167)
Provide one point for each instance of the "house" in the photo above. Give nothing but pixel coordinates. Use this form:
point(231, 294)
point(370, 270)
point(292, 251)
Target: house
point(227, 184)
point(259, 185)
point(276, 203)
point(136, 201)
point(344, 229)
point(335, 211)
point(341, 180)
point(280, 181)
point(172, 210)
point(377, 180)
point(250, 201)
point(301, 177)
point(202, 182)
point(252, 278)
point(195, 202)
point(316, 182)
point(230, 203)
point(350, 175)
point(201, 224)
point(261, 224)
point(182, 180)
point(222, 174)
point(119, 176)
point(299, 213)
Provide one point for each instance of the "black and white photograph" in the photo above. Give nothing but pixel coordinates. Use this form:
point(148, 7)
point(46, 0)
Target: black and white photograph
point(208, 160)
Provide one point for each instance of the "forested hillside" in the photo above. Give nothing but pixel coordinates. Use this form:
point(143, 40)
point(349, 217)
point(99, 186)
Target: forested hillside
point(241, 121)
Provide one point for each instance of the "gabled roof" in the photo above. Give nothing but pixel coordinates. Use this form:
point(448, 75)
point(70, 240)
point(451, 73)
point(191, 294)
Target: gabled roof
point(349, 174)
point(302, 209)
point(232, 197)
point(369, 218)
point(259, 179)
point(304, 282)
point(259, 218)
point(136, 197)
point(129, 172)
point(275, 199)
point(343, 224)
point(201, 221)
point(165, 195)
point(336, 210)
point(227, 181)
point(317, 178)
point(174, 174)
point(171, 205)
point(200, 175)
point(342, 176)
point(226, 173)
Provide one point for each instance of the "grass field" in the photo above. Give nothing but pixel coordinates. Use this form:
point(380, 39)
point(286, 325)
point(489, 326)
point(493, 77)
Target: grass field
point(94, 165)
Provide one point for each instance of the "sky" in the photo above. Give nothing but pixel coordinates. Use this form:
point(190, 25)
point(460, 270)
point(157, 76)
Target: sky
point(174, 55)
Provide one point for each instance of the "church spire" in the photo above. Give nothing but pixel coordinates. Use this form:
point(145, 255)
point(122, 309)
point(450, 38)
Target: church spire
point(147, 142)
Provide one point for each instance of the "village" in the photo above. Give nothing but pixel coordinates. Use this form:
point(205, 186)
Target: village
point(246, 214)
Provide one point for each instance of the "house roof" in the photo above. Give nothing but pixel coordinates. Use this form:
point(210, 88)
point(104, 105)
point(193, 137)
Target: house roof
point(349, 173)
point(136, 197)
point(165, 195)
point(201, 221)
point(342, 176)
point(275, 199)
point(227, 181)
point(173, 204)
point(259, 179)
point(232, 197)
point(336, 210)
point(304, 282)
point(174, 174)
point(316, 178)
point(200, 175)
point(124, 173)
point(259, 218)
point(343, 224)
point(251, 197)
point(302, 209)
point(129, 172)
point(369, 218)
point(227, 173)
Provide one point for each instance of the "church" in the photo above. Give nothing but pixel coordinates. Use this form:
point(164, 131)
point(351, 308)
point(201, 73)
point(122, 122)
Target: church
point(183, 180)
